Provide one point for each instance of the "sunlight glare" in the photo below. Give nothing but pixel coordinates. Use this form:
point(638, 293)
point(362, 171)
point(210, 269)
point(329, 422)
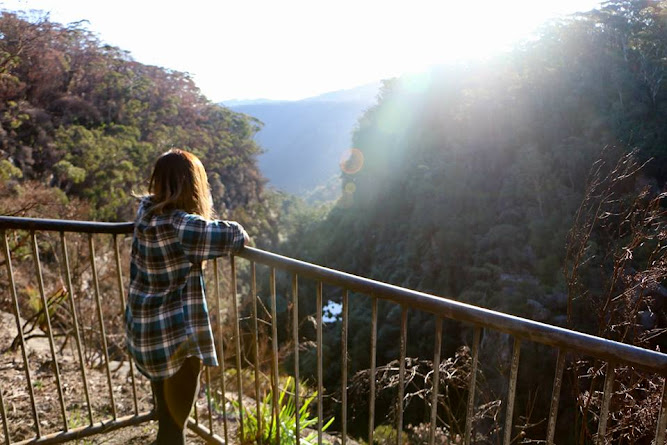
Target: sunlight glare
point(299, 48)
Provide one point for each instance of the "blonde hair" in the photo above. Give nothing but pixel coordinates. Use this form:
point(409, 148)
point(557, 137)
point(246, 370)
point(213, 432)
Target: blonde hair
point(179, 181)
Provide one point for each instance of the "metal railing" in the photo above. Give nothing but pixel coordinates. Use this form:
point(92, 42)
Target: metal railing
point(224, 420)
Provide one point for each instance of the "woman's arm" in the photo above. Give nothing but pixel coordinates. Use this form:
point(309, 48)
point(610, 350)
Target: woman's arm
point(203, 240)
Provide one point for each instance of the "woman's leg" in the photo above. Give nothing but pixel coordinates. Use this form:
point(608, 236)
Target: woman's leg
point(175, 397)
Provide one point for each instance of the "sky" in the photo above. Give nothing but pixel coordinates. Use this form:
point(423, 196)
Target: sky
point(292, 49)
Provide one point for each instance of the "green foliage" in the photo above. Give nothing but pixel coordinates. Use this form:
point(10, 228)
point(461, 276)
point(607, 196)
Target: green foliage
point(81, 116)
point(103, 165)
point(386, 435)
point(285, 422)
point(68, 172)
point(9, 171)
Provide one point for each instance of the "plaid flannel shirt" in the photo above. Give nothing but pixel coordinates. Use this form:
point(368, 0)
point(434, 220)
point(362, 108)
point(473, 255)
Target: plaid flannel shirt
point(166, 316)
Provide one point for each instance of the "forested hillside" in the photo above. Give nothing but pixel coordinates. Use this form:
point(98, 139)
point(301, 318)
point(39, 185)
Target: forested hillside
point(469, 180)
point(81, 121)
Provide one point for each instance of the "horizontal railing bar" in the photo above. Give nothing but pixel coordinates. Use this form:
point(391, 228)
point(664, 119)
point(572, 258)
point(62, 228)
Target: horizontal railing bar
point(91, 430)
point(205, 433)
point(527, 329)
point(63, 225)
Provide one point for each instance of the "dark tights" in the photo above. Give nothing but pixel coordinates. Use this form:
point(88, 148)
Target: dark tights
point(174, 399)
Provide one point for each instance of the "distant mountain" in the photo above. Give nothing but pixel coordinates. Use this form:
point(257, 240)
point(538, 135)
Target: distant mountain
point(364, 93)
point(241, 102)
point(304, 140)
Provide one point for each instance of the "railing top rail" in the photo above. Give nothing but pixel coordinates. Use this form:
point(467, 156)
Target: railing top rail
point(62, 225)
point(528, 329)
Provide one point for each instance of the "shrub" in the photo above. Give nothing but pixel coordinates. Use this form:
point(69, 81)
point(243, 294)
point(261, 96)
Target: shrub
point(286, 419)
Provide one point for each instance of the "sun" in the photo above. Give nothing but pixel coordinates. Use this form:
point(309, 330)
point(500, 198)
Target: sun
point(424, 33)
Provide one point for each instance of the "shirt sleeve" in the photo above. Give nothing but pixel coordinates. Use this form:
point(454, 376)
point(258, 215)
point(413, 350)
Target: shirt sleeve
point(203, 240)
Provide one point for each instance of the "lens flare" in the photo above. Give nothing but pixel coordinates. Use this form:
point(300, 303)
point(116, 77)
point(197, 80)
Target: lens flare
point(352, 161)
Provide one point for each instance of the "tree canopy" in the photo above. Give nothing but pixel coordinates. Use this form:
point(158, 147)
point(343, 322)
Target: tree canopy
point(84, 117)
point(469, 178)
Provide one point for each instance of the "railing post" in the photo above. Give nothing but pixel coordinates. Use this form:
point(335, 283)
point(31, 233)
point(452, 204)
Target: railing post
point(3, 413)
point(401, 376)
point(121, 291)
point(47, 317)
point(295, 339)
point(371, 377)
point(555, 396)
point(344, 366)
point(274, 355)
point(237, 336)
point(320, 394)
point(435, 380)
point(77, 334)
point(209, 399)
point(662, 417)
point(255, 340)
point(606, 401)
point(223, 385)
point(19, 328)
point(511, 391)
point(472, 386)
point(100, 317)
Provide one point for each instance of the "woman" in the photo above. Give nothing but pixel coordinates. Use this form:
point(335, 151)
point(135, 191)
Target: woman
point(168, 330)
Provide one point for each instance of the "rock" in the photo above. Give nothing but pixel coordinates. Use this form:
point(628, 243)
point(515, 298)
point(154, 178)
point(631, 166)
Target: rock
point(8, 331)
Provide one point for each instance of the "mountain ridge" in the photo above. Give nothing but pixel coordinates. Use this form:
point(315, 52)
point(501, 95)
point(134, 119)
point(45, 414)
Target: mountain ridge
point(363, 92)
point(303, 140)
